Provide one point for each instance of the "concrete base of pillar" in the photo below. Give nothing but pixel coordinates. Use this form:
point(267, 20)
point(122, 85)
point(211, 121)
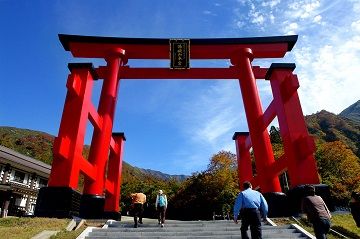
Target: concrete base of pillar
point(112, 215)
point(92, 206)
point(59, 202)
point(296, 194)
point(289, 204)
point(278, 204)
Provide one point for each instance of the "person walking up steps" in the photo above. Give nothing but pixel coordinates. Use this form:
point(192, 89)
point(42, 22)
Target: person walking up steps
point(317, 212)
point(138, 200)
point(160, 206)
point(252, 206)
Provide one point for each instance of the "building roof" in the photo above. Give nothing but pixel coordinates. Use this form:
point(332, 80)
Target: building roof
point(23, 162)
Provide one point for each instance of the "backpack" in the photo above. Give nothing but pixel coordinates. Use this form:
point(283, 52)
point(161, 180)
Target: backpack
point(162, 202)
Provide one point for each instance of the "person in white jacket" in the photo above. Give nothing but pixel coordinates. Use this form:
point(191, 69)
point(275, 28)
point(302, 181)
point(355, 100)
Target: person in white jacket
point(160, 206)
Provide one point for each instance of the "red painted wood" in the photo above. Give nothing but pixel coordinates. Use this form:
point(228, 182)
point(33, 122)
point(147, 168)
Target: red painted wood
point(78, 110)
point(260, 139)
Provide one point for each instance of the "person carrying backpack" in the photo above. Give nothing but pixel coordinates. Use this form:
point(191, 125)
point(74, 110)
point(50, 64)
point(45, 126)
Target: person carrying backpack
point(160, 206)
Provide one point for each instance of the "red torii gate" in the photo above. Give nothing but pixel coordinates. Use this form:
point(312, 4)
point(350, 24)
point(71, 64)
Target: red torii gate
point(102, 170)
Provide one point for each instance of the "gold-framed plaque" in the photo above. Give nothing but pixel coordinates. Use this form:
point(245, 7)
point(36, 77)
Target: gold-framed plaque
point(179, 54)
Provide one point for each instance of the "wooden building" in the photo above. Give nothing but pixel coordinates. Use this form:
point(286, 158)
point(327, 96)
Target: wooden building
point(21, 177)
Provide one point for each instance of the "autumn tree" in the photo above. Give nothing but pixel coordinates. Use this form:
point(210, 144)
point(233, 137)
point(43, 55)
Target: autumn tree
point(213, 190)
point(150, 186)
point(275, 137)
point(339, 168)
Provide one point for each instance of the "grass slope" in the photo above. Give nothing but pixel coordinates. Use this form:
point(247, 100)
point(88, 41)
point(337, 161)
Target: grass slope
point(25, 227)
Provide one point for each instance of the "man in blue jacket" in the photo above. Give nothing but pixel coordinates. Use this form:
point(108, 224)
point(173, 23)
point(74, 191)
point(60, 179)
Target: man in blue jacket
point(252, 206)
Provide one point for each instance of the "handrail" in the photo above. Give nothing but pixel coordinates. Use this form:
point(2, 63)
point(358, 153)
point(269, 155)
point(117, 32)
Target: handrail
point(338, 233)
point(331, 230)
point(269, 221)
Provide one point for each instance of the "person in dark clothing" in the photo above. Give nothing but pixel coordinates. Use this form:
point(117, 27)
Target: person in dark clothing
point(138, 200)
point(252, 206)
point(317, 212)
point(355, 207)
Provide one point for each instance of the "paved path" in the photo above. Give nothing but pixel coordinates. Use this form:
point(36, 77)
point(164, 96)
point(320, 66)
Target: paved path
point(185, 229)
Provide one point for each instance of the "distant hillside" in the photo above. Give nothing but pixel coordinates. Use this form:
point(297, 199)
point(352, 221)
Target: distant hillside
point(38, 145)
point(161, 175)
point(352, 112)
point(329, 127)
point(35, 144)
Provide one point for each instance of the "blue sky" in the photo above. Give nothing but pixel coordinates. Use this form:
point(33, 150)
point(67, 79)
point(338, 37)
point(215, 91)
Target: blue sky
point(174, 126)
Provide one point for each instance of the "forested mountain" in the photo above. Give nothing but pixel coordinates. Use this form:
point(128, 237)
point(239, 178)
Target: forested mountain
point(328, 127)
point(352, 112)
point(161, 175)
point(38, 145)
point(35, 144)
point(338, 150)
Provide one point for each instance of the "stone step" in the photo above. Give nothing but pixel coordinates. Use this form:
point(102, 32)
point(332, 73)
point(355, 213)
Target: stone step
point(149, 220)
point(179, 229)
point(105, 233)
point(198, 237)
point(179, 224)
point(186, 229)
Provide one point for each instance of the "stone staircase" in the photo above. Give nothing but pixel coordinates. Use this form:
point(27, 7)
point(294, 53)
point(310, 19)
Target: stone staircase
point(186, 229)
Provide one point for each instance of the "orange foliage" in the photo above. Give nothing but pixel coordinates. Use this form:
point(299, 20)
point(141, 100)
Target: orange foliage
point(339, 167)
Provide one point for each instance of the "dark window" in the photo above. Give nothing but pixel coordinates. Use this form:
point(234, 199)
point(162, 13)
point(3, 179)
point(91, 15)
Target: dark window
point(42, 183)
point(19, 177)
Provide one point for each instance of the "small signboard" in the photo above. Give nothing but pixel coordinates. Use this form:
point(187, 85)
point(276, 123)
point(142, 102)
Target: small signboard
point(179, 54)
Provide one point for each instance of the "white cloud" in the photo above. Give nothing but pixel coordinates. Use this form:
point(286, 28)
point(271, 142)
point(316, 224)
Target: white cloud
point(303, 9)
point(290, 28)
point(257, 18)
point(208, 120)
point(218, 118)
point(303, 56)
point(210, 13)
point(257, 14)
point(216, 126)
point(272, 18)
point(356, 26)
point(240, 24)
point(356, 6)
point(317, 19)
point(243, 2)
point(271, 4)
point(328, 76)
point(327, 53)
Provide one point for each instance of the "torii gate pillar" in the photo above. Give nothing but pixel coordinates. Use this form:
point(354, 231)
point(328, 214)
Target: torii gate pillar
point(259, 136)
point(299, 147)
point(101, 193)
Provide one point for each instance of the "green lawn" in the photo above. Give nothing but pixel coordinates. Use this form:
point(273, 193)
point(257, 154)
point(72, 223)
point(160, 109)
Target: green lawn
point(342, 223)
point(345, 224)
point(69, 235)
point(25, 227)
